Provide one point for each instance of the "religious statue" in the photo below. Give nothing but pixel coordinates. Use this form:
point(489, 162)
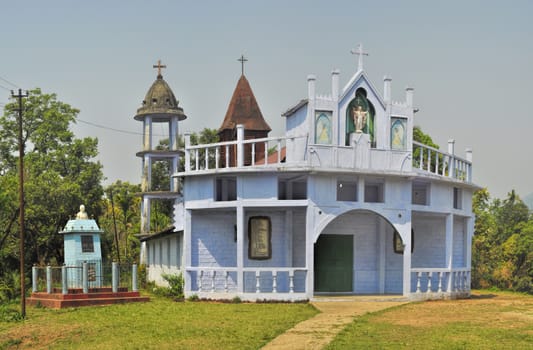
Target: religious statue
point(359, 118)
point(82, 214)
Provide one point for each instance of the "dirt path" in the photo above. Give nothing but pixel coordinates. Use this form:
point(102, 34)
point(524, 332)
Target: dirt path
point(336, 313)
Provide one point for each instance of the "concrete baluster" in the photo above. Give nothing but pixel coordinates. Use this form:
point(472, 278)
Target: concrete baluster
point(85, 277)
point(291, 281)
point(226, 281)
point(34, 277)
point(257, 282)
point(430, 274)
point(48, 279)
point(134, 278)
point(274, 281)
point(114, 277)
point(64, 280)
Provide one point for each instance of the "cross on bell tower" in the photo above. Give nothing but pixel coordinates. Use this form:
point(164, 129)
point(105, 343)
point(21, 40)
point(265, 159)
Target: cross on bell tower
point(159, 66)
point(359, 51)
point(242, 60)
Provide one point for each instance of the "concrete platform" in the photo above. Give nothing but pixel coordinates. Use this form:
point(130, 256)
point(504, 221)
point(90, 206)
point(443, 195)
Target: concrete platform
point(76, 297)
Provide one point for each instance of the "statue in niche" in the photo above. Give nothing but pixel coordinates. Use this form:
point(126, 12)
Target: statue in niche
point(359, 118)
point(82, 214)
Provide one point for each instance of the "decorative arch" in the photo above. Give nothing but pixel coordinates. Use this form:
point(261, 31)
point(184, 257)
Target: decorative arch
point(390, 219)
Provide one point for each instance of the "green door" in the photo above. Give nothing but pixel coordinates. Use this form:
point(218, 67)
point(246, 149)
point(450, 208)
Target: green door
point(334, 263)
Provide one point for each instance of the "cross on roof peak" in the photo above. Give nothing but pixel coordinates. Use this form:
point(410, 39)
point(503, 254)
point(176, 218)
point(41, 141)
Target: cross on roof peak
point(242, 59)
point(359, 51)
point(159, 66)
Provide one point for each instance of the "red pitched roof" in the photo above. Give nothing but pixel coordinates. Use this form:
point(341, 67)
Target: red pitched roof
point(243, 109)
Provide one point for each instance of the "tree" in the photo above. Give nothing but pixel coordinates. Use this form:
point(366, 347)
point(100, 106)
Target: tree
point(60, 174)
point(502, 249)
point(126, 208)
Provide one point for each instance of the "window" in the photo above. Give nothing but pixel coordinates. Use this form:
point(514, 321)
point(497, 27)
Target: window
point(374, 192)
point(347, 190)
point(226, 189)
point(292, 188)
point(420, 193)
point(87, 244)
point(457, 198)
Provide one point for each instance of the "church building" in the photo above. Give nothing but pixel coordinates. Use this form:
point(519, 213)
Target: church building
point(343, 202)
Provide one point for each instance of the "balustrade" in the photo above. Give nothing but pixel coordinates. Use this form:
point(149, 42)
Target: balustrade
point(457, 279)
point(265, 280)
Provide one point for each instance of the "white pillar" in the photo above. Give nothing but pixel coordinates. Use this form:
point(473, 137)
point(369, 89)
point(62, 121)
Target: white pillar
point(469, 227)
point(309, 252)
point(311, 86)
point(173, 134)
point(145, 214)
point(335, 84)
point(409, 92)
point(387, 89)
point(469, 166)
point(381, 248)
point(174, 170)
point(405, 232)
point(240, 145)
point(240, 248)
point(187, 243)
point(187, 137)
point(449, 249)
point(289, 236)
point(451, 151)
point(147, 133)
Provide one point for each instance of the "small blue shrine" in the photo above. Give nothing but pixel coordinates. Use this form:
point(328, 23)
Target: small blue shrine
point(82, 244)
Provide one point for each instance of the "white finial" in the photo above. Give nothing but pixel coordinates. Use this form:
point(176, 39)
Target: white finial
point(360, 53)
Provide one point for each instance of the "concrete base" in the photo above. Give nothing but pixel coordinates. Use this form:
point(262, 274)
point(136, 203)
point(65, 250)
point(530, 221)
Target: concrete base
point(76, 297)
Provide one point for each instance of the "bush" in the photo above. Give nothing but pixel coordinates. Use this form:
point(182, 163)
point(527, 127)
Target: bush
point(194, 297)
point(9, 314)
point(175, 286)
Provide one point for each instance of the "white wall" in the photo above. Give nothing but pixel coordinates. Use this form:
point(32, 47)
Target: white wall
point(430, 241)
point(164, 257)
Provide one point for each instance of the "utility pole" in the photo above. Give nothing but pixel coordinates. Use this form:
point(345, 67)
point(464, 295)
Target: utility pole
point(115, 225)
point(19, 96)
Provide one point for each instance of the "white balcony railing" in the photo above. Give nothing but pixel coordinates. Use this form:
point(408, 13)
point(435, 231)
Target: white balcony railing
point(432, 160)
point(296, 151)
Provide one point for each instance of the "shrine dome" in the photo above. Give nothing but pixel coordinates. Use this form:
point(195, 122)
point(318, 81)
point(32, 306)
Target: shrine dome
point(160, 102)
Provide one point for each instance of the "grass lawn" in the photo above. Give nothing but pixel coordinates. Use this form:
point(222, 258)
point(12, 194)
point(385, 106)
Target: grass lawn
point(158, 324)
point(490, 320)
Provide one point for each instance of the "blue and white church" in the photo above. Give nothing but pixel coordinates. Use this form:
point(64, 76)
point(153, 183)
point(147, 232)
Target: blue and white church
point(344, 202)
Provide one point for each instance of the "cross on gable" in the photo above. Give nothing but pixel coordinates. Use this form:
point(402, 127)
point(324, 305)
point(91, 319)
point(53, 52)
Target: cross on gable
point(242, 60)
point(159, 66)
point(359, 51)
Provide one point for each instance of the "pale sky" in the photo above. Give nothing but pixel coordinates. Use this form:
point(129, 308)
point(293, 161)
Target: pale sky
point(469, 62)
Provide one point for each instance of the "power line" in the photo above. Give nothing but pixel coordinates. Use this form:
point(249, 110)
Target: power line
point(113, 129)
point(10, 83)
point(3, 87)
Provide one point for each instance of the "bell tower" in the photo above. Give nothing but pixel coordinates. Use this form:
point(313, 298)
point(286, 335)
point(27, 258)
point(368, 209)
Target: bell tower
point(158, 107)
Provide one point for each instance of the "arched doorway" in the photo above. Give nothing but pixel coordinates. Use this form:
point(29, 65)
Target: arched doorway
point(355, 254)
